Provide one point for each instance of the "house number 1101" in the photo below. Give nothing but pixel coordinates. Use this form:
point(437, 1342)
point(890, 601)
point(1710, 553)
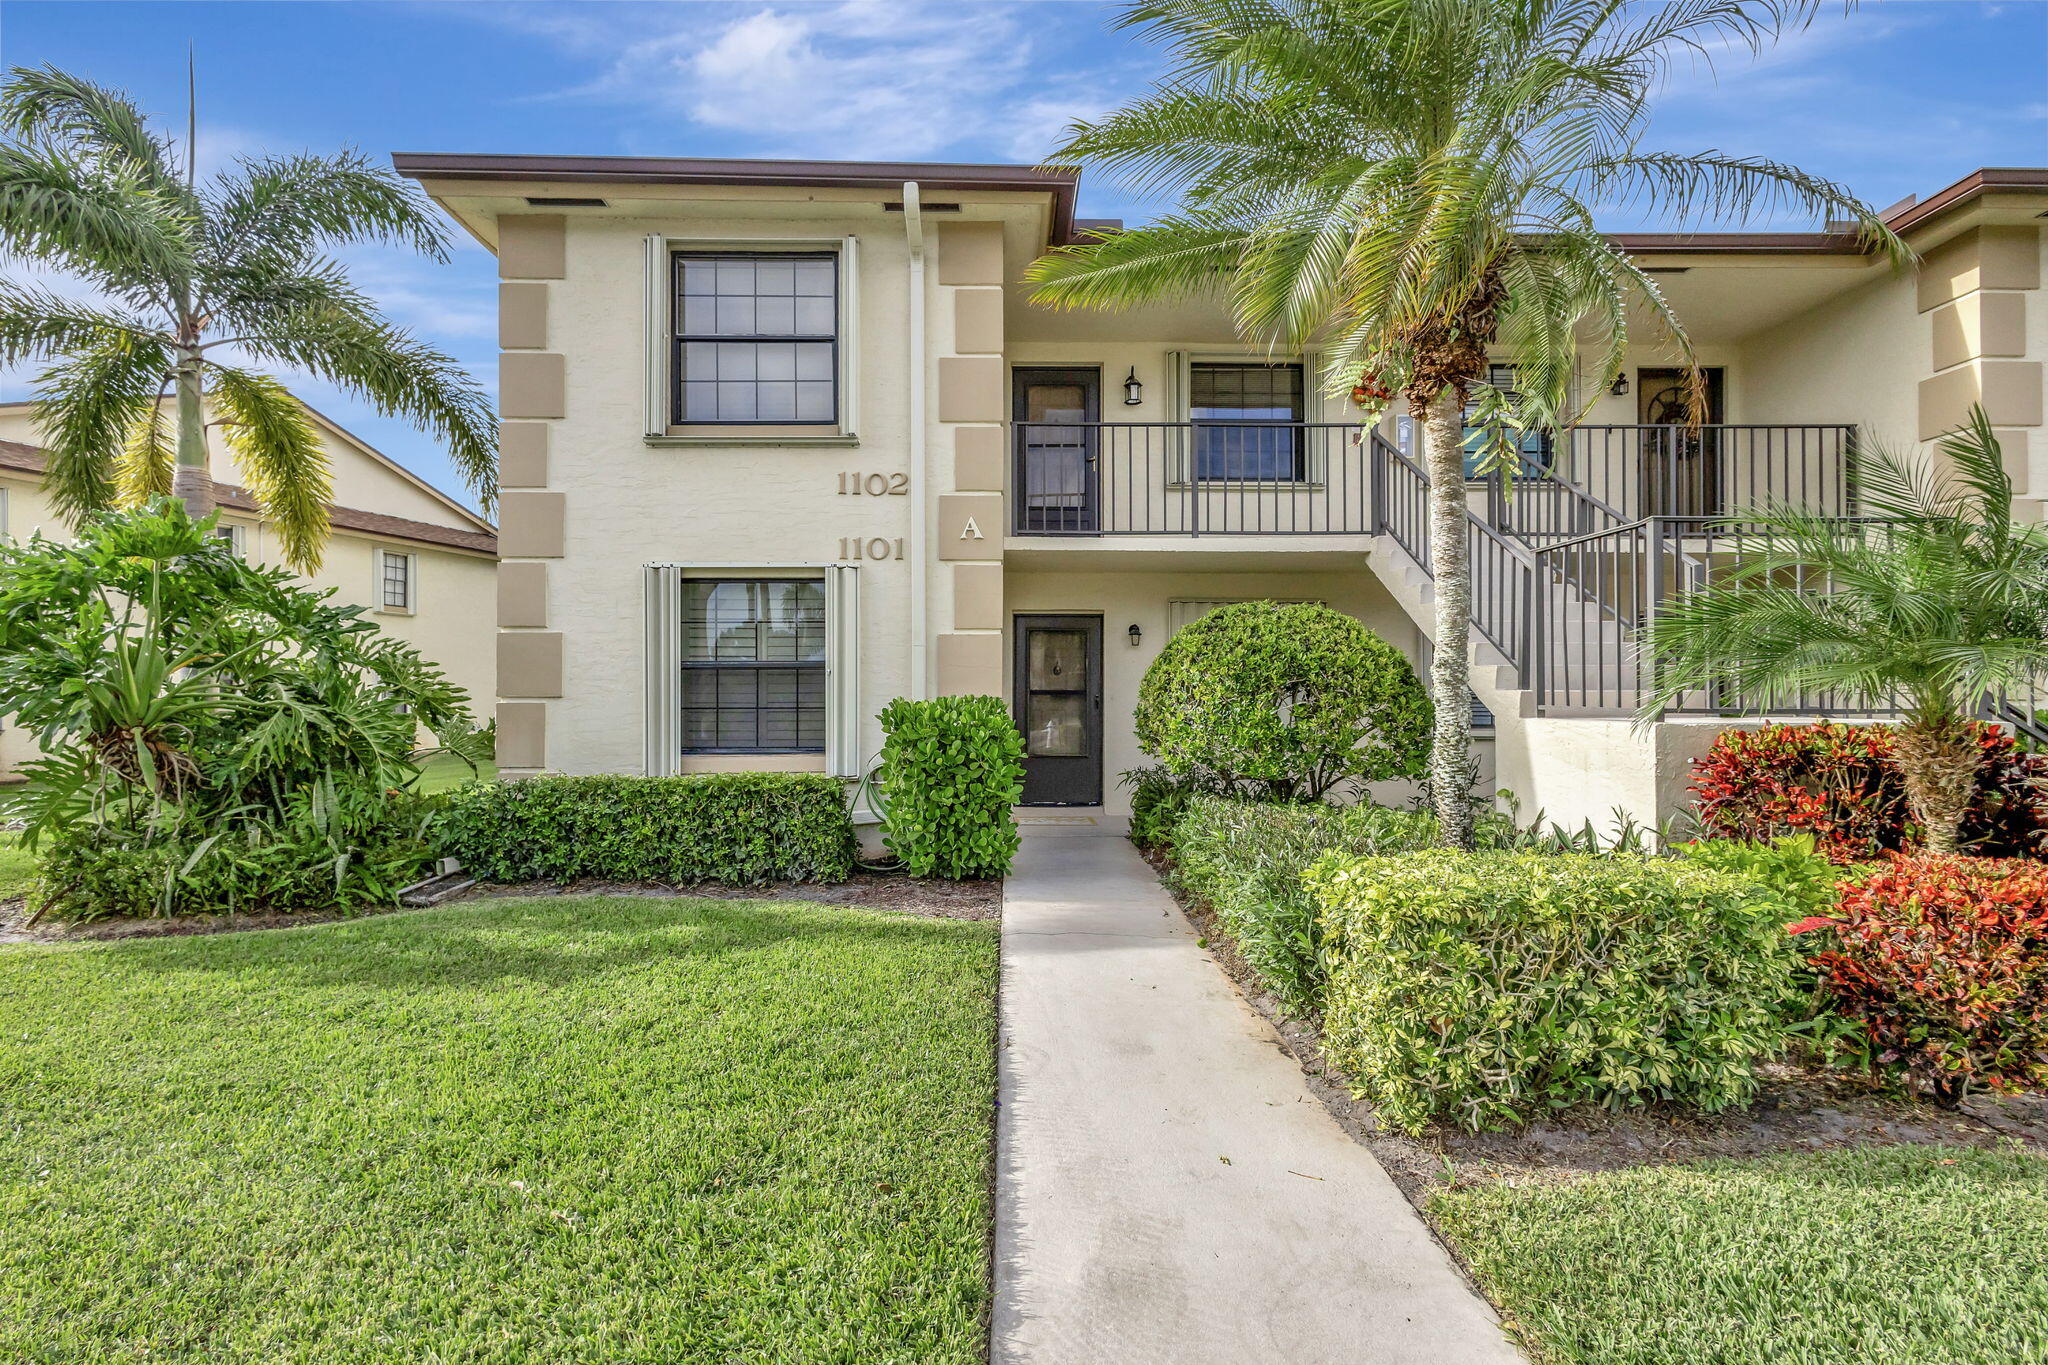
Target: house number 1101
point(853, 547)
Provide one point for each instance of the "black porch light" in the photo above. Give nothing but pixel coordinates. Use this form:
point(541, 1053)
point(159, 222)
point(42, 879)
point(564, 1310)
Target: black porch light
point(1619, 388)
point(1134, 394)
point(1136, 635)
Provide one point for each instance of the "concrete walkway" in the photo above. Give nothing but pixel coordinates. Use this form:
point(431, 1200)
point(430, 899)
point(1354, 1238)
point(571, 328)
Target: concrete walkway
point(1168, 1190)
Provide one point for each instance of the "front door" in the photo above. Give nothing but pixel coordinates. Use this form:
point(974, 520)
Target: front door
point(1058, 696)
point(1055, 413)
point(1681, 451)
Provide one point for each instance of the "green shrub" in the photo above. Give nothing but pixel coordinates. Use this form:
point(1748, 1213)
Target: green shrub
point(1283, 701)
point(346, 850)
point(1481, 989)
point(1159, 799)
point(1246, 860)
point(739, 828)
point(951, 770)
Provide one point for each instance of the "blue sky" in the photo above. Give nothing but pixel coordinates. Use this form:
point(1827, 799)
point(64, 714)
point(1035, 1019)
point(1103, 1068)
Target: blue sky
point(1898, 97)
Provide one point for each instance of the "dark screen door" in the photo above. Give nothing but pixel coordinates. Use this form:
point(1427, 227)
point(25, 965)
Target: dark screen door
point(1059, 708)
point(1681, 460)
point(1055, 413)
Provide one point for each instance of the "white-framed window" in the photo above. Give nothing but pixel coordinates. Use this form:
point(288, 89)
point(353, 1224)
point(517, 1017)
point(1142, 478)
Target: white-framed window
point(398, 581)
point(234, 535)
point(752, 659)
point(752, 339)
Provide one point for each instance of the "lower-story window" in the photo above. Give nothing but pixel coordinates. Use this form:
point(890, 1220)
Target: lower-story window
point(753, 665)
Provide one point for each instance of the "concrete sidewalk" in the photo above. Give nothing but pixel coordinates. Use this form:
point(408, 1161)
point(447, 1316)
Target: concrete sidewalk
point(1168, 1190)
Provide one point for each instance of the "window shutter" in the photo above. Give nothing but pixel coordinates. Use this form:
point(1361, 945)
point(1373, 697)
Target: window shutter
point(1179, 389)
point(657, 307)
point(664, 655)
point(849, 337)
point(842, 671)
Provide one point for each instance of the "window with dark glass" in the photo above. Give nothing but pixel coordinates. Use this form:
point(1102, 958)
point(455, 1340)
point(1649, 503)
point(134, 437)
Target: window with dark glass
point(1533, 447)
point(753, 666)
point(756, 338)
point(1247, 421)
point(397, 581)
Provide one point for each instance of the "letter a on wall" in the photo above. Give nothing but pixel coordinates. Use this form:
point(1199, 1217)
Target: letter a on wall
point(971, 531)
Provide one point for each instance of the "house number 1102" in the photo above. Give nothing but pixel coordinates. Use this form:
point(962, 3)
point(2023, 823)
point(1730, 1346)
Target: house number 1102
point(853, 547)
point(853, 483)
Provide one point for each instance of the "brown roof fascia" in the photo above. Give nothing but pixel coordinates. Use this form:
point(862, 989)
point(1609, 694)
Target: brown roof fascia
point(28, 459)
point(1986, 180)
point(1061, 182)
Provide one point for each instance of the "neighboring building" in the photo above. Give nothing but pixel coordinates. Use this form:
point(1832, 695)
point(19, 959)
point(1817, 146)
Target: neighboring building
point(784, 440)
point(422, 563)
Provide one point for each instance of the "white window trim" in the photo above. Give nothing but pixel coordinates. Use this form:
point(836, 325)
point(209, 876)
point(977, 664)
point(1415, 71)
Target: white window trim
point(412, 582)
point(657, 307)
point(238, 537)
point(4, 510)
point(662, 589)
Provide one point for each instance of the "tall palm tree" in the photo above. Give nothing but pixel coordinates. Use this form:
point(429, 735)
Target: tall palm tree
point(185, 271)
point(1411, 185)
point(1938, 605)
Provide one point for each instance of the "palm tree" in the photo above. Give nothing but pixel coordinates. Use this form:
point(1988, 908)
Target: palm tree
point(1411, 185)
point(1934, 606)
point(184, 271)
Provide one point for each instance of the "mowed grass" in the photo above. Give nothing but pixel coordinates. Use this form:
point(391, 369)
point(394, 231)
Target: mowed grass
point(17, 866)
point(551, 1130)
point(1894, 1256)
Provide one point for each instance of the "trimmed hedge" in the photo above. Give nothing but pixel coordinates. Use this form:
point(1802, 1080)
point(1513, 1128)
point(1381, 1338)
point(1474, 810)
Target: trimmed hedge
point(952, 768)
point(1482, 989)
point(1245, 860)
point(738, 828)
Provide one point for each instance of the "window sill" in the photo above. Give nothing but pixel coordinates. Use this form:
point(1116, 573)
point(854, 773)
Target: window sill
point(741, 437)
point(395, 611)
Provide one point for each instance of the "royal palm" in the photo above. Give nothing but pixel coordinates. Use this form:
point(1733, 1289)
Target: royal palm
point(193, 279)
point(1410, 186)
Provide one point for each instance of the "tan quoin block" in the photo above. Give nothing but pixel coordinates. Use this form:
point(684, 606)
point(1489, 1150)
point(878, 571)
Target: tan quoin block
point(970, 665)
point(530, 525)
point(532, 246)
point(1979, 325)
point(978, 321)
point(1981, 258)
point(522, 734)
point(970, 388)
point(970, 253)
point(522, 316)
point(977, 597)
point(980, 457)
point(970, 526)
point(522, 594)
point(530, 663)
point(531, 384)
point(2010, 391)
point(522, 455)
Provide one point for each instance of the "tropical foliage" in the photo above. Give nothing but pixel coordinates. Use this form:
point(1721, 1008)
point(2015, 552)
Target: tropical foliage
point(194, 282)
point(952, 767)
point(196, 711)
point(1935, 605)
point(1411, 186)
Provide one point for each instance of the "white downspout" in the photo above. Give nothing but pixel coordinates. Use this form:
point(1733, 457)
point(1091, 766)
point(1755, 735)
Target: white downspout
point(913, 231)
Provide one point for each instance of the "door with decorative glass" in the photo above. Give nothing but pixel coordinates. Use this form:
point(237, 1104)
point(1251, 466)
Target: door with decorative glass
point(1058, 699)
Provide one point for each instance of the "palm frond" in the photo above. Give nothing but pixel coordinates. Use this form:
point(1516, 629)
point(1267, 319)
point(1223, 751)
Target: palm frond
point(56, 108)
point(103, 225)
point(297, 203)
point(142, 470)
point(37, 323)
point(274, 443)
point(86, 404)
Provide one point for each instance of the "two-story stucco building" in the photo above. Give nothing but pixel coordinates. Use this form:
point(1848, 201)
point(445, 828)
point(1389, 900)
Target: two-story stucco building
point(784, 440)
point(421, 563)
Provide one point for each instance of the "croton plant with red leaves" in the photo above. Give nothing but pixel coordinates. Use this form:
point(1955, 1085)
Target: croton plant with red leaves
point(1840, 784)
point(1944, 961)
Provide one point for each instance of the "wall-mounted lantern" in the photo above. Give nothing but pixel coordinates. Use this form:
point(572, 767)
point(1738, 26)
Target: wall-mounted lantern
point(1136, 636)
point(1134, 394)
point(1619, 388)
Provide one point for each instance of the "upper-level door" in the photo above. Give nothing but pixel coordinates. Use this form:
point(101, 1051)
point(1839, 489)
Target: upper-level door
point(1057, 483)
point(1682, 474)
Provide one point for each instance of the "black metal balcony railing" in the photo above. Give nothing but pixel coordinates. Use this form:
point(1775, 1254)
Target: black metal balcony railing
point(1190, 479)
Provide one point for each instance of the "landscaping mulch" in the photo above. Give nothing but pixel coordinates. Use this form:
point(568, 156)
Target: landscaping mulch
point(866, 889)
point(1798, 1109)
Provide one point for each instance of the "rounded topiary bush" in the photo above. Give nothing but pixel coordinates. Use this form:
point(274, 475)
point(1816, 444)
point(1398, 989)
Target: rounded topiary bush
point(1285, 701)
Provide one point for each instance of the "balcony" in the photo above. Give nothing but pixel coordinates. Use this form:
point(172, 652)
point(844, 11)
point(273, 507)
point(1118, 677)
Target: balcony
point(1077, 479)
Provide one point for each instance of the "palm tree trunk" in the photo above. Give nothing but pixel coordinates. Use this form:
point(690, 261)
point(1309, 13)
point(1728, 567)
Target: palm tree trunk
point(1451, 771)
point(191, 483)
point(1939, 757)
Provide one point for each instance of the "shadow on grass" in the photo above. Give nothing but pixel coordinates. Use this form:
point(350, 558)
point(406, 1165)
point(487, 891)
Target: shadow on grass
point(556, 942)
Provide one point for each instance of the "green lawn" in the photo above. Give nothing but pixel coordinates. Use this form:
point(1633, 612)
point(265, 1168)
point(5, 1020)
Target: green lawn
point(1899, 1256)
point(551, 1130)
point(17, 867)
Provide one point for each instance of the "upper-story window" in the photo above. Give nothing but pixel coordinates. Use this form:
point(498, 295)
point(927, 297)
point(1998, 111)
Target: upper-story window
point(756, 338)
point(1532, 446)
point(398, 578)
point(1247, 421)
